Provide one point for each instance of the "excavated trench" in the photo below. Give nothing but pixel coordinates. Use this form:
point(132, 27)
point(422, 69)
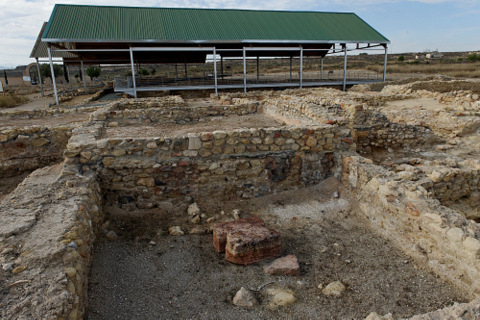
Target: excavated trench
point(136, 170)
point(146, 273)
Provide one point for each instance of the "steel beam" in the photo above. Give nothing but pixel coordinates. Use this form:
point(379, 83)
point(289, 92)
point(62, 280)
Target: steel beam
point(215, 69)
point(345, 68)
point(301, 66)
point(68, 75)
point(53, 75)
point(385, 65)
point(84, 78)
point(291, 68)
point(258, 68)
point(39, 76)
point(321, 69)
point(244, 70)
point(133, 74)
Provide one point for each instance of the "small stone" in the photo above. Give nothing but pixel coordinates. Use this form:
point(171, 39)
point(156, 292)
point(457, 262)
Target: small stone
point(335, 194)
point(111, 235)
point(335, 289)
point(176, 231)
point(19, 269)
point(211, 219)
point(195, 219)
point(236, 214)
point(283, 266)
point(70, 272)
point(280, 297)
point(8, 266)
point(311, 142)
point(152, 243)
point(245, 298)
point(455, 235)
point(193, 209)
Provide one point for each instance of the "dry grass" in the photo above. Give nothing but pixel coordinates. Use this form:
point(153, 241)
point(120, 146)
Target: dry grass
point(462, 70)
point(9, 101)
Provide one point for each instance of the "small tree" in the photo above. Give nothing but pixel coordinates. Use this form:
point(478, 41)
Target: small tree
point(144, 72)
point(473, 57)
point(401, 58)
point(93, 72)
point(46, 72)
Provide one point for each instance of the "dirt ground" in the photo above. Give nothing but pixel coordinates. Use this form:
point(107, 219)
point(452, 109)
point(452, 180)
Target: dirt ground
point(147, 274)
point(205, 125)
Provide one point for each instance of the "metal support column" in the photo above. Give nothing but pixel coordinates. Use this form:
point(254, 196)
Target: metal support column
point(83, 77)
point(39, 76)
point(221, 66)
point(291, 68)
point(176, 71)
point(301, 67)
point(68, 75)
point(385, 65)
point(258, 69)
point(133, 74)
point(244, 70)
point(53, 74)
point(321, 68)
point(345, 68)
point(186, 73)
point(215, 69)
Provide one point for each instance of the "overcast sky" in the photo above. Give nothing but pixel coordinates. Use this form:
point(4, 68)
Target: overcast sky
point(411, 26)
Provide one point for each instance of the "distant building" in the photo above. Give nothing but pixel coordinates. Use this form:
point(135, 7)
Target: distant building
point(434, 55)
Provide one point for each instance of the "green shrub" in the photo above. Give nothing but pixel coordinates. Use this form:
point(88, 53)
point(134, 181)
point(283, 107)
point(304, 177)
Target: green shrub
point(473, 57)
point(93, 72)
point(401, 58)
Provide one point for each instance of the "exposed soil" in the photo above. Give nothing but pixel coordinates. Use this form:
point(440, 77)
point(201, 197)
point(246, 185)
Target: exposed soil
point(47, 121)
point(205, 125)
point(183, 277)
point(8, 184)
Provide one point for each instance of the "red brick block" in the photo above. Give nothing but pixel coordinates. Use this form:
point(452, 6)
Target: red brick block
point(221, 229)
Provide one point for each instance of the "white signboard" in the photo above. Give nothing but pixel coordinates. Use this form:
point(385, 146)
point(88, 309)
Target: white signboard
point(27, 78)
point(1, 86)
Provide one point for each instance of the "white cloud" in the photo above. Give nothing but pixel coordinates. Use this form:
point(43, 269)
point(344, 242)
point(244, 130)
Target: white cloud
point(21, 20)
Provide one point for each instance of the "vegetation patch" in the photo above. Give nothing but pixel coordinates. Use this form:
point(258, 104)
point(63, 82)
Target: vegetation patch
point(9, 101)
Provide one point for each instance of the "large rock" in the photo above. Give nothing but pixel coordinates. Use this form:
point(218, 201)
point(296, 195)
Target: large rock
point(283, 266)
point(246, 241)
point(221, 229)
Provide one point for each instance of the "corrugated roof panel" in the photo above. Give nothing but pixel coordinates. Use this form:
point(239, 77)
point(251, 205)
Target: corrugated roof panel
point(40, 48)
point(86, 23)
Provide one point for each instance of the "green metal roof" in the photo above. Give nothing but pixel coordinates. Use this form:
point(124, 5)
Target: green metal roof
point(79, 23)
point(40, 48)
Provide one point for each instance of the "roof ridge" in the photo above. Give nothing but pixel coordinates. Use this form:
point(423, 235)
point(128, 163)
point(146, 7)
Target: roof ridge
point(203, 9)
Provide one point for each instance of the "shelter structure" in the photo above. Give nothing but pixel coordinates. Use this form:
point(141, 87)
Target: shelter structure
point(132, 35)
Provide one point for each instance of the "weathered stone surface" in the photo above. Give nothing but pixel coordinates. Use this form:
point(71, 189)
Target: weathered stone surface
point(176, 231)
point(335, 289)
point(283, 266)
point(193, 209)
point(280, 298)
point(221, 229)
point(245, 298)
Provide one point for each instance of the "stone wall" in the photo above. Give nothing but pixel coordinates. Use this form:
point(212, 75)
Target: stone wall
point(243, 163)
point(47, 231)
point(29, 148)
point(166, 111)
point(369, 128)
point(402, 211)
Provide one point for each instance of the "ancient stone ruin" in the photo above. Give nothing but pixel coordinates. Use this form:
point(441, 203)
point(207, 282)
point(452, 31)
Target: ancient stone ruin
point(340, 176)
